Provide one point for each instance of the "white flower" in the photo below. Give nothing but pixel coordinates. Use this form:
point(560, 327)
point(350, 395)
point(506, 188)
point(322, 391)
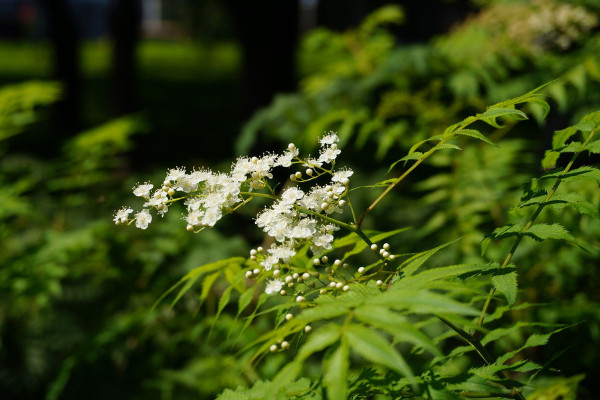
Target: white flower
point(211, 216)
point(342, 175)
point(285, 160)
point(329, 139)
point(143, 190)
point(122, 215)
point(194, 217)
point(328, 154)
point(174, 174)
point(142, 219)
point(274, 286)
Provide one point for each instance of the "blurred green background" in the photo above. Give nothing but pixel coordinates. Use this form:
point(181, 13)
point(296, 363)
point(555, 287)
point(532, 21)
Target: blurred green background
point(98, 95)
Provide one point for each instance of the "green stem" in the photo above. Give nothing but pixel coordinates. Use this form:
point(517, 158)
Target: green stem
point(352, 228)
point(537, 212)
point(476, 344)
point(426, 155)
point(486, 395)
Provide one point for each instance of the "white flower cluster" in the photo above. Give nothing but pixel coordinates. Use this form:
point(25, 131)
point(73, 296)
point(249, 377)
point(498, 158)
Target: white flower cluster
point(293, 219)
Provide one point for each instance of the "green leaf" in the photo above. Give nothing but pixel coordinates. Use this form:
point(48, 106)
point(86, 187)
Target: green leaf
point(361, 245)
point(585, 172)
point(446, 146)
point(319, 340)
point(412, 156)
point(421, 279)
point(548, 231)
point(560, 137)
point(492, 113)
point(207, 285)
point(191, 277)
point(396, 325)
point(411, 265)
point(335, 372)
point(223, 301)
point(500, 233)
point(559, 201)
point(369, 344)
point(593, 147)
point(505, 282)
point(475, 134)
point(284, 377)
point(245, 299)
point(421, 301)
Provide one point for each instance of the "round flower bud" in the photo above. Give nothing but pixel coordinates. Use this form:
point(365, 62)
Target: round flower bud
point(386, 246)
point(316, 261)
point(254, 160)
point(337, 263)
point(282, 292)
point(373, 247)
point(171, 191)
point(291, 284)
point(392, 257)
point(276, 273)
point(189, 228)
point(305, 275)
point(346, 288)
point(288, 279)
point(307, 329)
point(332, 284)
point(345, 265)
point(300, 299)
point(256, 271)
point(379, 283)
point(324, 205)
point(259, 249)
point(295, 276)
point(252, 252)
point(273, 348)
point(292, 177)
point(385, 254)
point(323, 291)
point(309, 172)
point(361, 270)
point(289, 316)
point(342, 203)
point(339, 285)
point(291, 146)
point(324, 259)
point(249, 274)
point(381, 251)
point(253, 258)
point(298, 175)
point(285, 345)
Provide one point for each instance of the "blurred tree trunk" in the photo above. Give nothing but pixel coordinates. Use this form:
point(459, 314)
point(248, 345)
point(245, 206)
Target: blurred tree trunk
point(268, 32)
point(125, 20)
point(65, 47)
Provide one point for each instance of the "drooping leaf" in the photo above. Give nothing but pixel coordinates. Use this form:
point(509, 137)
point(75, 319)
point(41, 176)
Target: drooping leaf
point(369, 344)
point(396, 325)
point(475, 134)
point(505, 282)
point(335, 372)
point(319, 340)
